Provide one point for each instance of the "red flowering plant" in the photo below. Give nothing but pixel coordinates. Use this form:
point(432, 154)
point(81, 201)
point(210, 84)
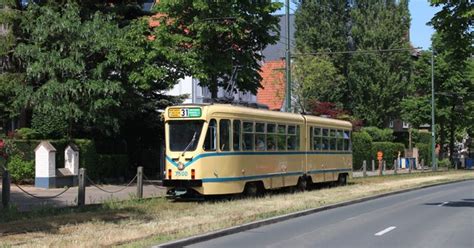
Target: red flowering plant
point(6, 148)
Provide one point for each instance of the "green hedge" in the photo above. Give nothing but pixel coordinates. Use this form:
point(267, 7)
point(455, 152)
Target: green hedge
point(88, 157)
point(424, 152)
point(390, 151)
point(20, 169)
point(361, 148)
point(112, 165)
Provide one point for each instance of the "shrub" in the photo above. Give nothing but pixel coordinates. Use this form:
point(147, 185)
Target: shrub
point(379, 135)
point(390, 151)
point(361, 148)
point(50, 125)
point(112, 165)
point(88, 157)
point(421, 137)
point(20, 169)
point(27, 133)
point(424, 150)
point(444, 163)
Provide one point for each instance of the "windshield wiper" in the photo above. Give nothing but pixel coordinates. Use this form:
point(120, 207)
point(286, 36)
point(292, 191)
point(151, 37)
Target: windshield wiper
point(189, 144)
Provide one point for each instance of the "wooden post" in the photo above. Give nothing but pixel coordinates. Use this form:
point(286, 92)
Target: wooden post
point(373, 165)
point(409, 166)
point(380, 167)
point(422, 164)
point(140, 182)
point(364, 165)
point(395, 167)
point(5, 189)
point(384, 165)
point(81, 193)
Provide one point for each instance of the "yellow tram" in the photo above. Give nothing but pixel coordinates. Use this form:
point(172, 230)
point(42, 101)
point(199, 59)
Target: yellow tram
point(215, 149)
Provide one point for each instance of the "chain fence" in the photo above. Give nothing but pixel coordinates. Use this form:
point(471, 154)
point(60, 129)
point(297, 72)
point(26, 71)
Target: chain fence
point(150, 182)
point(41, 197)
point(111, 192)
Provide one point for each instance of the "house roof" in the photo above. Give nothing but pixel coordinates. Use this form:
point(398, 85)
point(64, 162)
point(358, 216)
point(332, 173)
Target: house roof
point(277, 51)
point(46, 145)
point(273, 81)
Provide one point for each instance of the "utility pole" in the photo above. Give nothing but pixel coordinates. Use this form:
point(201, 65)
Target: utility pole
point(288, 57)
point(433, 128)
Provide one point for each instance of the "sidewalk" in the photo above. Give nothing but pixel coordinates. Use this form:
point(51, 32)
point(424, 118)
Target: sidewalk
point(24, 202)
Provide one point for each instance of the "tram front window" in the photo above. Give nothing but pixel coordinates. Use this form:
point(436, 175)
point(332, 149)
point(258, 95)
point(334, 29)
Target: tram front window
point(181, 134)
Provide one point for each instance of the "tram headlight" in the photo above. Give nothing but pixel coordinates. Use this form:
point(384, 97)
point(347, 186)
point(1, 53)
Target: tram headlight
point(169, 173)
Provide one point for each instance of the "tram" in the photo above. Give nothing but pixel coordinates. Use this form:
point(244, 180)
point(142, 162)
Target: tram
point(220, 149)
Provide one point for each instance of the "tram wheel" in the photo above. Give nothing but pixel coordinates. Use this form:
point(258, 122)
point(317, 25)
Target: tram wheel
point(251, 189)
point(342, 179)
point(302, 184)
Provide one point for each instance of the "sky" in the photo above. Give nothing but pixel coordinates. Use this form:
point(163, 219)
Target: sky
point(421, 13)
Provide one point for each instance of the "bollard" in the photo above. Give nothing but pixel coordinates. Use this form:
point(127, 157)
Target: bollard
point(384, 165)
point(422, 164)
point(140, 182)
point(364, 166)
point(380, 167)
point(409, 166)
point(373, 165)
point(395, 167)
point(5, 189)
point(81, 193)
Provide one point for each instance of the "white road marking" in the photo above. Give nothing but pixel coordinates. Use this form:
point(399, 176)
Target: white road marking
point(442, 204)
point(386, 230)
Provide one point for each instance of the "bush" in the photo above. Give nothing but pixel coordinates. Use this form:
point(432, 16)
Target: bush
point(361, 148)
point(390, 151)
point(27, 133)
point(20, 169)
point(88, 157)
point(112, 165)
point(379, 135)
point(421, 137)
point(445, 163)
point(50, 125)
point(424, 150)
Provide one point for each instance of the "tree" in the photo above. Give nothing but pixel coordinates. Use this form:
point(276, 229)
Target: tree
point(315, 78)
point(217, 36)
point(379, 80)
point(323, 26)
point(9, 75)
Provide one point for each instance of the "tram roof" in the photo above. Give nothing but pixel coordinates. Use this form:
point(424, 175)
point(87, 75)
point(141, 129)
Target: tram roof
point(248, 112)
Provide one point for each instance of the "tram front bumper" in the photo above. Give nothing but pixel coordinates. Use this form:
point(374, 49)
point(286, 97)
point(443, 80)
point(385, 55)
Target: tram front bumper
point(182, 183)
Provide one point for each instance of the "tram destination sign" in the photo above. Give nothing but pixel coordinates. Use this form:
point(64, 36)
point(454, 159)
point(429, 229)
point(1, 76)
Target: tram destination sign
point(184, 112)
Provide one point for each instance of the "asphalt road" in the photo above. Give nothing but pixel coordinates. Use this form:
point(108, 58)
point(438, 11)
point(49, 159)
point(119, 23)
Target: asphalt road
point(440, 216)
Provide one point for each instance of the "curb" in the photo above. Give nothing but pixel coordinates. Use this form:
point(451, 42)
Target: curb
point(276, 219)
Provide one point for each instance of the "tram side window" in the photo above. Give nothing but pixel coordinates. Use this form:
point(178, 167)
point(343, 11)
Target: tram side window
point(347, 140)
point(210, 143)
point(317, 139)
point(291, 138)
point(236, 131)
point(271, 137)
point(248, 136)
point(298, 137)
point(325, 139)
point(311, 139)
point(281, 136)
point(332, 144)
point(340, 140)
point(260, 136)
point(224, 135)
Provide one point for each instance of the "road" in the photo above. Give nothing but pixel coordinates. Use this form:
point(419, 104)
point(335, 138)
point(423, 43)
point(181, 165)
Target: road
point(440, 216)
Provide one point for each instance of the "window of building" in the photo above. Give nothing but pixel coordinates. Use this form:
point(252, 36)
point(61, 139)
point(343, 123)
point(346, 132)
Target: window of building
point(224, 135)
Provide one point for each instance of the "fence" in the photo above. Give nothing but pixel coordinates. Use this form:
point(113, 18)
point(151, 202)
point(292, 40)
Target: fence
point(139, 179)
point(379, 168)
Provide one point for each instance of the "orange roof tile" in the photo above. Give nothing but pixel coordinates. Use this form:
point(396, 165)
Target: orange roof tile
point(273, 82)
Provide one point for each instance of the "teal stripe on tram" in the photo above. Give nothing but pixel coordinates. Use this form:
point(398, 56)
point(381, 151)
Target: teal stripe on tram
point(245, 178)
point(218, 154)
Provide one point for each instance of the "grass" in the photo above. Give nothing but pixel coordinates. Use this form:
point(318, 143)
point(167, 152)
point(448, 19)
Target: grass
point(138, 223)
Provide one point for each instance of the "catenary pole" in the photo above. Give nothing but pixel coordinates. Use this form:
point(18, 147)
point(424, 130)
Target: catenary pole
point(433, 128)
point(288, 57)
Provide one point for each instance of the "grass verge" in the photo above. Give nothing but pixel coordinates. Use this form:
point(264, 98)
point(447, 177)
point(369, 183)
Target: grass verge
point(138, 223)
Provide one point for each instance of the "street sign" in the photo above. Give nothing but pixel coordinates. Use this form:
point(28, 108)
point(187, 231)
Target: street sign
point(379, 155)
